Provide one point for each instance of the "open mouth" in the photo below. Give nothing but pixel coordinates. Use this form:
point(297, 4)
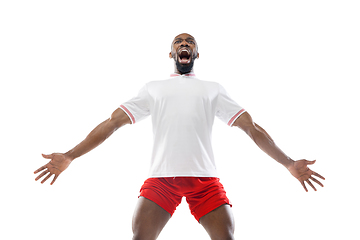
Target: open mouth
point(184, 55)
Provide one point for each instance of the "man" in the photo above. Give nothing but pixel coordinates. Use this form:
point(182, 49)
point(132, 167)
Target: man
point(182, 110)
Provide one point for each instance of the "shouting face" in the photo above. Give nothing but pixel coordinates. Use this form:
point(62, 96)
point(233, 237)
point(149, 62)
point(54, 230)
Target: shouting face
point(184, 52)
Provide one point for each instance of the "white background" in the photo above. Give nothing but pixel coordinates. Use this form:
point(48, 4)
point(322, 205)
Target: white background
point(66, 65)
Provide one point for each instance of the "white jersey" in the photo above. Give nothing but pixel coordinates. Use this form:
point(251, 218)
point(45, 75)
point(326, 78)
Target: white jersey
point(182, 109)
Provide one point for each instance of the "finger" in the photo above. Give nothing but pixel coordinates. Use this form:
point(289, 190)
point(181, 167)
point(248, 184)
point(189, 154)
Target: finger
point(56, 176)
point(41, 175)
point(311, 185)
point(46, 178)
point(317, 181)
point(40, 169)
point(303, 184)
point(318, 175)
point(47, 156)
point(310, 162)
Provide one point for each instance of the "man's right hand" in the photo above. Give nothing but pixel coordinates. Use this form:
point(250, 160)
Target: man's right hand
point(58, 163)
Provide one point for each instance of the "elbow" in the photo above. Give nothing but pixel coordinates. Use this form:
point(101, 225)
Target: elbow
point(115, 124)
point(258, 135)
point(119, 119)
point(251, 131)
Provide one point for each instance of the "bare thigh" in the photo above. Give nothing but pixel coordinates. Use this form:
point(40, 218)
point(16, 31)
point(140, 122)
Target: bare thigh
point(219, 223)
point(148, 220)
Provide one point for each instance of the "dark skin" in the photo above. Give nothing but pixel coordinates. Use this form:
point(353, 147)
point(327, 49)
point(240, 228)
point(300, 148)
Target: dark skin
point(183, 41)
point(149, 218)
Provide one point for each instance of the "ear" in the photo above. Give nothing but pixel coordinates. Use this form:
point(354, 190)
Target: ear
point(198, 55)
point(170, 55)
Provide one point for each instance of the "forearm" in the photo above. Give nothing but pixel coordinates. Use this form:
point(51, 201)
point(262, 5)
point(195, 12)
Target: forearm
point(94, 139)
point(100, 134)
point(267, 144)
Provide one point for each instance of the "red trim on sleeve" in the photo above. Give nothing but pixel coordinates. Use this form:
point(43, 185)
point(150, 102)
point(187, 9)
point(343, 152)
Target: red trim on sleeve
point(129, 113)
point(235, 116)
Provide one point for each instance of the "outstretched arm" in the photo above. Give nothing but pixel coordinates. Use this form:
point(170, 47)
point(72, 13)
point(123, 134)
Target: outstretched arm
point(298, 169)
point(100, 134)
point(60, 161)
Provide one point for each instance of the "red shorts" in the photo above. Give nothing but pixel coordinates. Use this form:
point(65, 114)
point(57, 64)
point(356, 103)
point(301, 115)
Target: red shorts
point(203, 194)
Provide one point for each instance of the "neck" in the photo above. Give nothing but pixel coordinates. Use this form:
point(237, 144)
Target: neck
point(182, 70)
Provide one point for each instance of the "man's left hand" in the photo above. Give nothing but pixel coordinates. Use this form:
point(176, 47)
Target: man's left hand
point(301, 172)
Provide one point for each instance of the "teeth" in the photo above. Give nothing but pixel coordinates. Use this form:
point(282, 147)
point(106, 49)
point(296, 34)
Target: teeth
point(184, 53)
point(184, 50)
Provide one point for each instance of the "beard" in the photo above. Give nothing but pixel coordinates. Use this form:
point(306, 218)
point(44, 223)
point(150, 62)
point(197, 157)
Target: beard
point(184, 68)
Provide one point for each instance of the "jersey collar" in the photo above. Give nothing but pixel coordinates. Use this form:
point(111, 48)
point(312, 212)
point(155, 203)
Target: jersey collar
point(190, 74)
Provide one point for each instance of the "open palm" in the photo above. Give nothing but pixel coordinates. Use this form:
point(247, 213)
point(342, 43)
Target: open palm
point(58, 163)
point(301, 172)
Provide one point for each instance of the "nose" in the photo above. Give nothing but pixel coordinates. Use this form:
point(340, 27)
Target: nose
point(184, 44)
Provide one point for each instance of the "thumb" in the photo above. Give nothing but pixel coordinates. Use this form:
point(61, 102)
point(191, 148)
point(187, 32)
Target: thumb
point(47, 156)
point(310, 162)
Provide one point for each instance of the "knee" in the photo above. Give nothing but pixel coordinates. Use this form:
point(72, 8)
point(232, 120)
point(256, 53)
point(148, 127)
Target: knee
point(140, 237)
point(226, 237)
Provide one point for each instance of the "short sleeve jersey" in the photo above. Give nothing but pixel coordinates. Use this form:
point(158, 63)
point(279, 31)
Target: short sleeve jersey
point(182, 109)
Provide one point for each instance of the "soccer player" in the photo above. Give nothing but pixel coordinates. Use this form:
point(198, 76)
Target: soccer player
point(182, 109)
